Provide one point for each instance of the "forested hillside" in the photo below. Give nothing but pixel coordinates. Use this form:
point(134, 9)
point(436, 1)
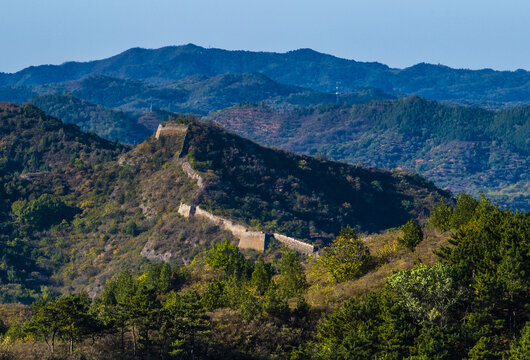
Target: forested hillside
point(107, 123)
point(459, 148)
point(196, 94)
point(97, 263)
point(299, 195)
point(304, 67)
point(77, 208)
point(44, 164)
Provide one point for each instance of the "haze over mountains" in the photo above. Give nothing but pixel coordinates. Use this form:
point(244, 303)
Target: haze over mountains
point(197, 94)
point(304, 67)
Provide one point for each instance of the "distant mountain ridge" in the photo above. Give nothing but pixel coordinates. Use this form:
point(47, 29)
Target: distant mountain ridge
point(198, 94)
point(305, 67)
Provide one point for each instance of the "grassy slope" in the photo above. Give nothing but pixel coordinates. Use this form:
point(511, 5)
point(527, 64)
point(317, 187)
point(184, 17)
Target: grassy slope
point(327, 296)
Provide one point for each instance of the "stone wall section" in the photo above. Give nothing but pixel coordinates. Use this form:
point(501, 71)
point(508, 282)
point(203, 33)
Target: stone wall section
point(248, 239)
point(170, 129)
point(292, 243)
point(192, 174)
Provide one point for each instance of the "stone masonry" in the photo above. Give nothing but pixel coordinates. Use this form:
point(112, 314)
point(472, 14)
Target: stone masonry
point(248, 239)
point(171, 129)
point(186, 167)
point(292, 243)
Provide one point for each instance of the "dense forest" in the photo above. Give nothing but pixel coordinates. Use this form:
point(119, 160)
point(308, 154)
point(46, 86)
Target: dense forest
point(459, 148)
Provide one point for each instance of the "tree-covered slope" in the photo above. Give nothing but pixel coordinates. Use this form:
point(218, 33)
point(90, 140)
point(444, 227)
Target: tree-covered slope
point(459, 148)
point(304, 67)
point(196, 94)
point(300, 195)
point(33, 141)
point(77, 208)
point(107, 123)
point(42, 161)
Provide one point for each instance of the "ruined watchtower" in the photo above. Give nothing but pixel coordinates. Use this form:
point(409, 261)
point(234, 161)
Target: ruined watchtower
point(171, 129)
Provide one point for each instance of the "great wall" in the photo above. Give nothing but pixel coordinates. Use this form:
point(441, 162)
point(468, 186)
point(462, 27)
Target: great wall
point(170, 129)
point(248, 239)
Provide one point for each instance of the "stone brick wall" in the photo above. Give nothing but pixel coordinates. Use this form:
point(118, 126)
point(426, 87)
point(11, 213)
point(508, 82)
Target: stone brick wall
point(292, 243)
point(192, 174)
point(248, 239)
point(170, 129)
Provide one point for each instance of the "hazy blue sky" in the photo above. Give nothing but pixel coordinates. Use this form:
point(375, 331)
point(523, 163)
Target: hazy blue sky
point(459, 33)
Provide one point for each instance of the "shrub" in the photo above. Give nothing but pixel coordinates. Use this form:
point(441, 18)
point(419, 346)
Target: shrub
point(347, 257)
point(131, 228)
point(412, 234)
point(43, 212)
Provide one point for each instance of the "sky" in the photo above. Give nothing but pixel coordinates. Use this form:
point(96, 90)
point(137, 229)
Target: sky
point(469, 34)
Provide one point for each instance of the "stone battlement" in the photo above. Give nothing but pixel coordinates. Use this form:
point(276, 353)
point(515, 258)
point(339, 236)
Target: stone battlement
point(170, 129)
point(248, 239)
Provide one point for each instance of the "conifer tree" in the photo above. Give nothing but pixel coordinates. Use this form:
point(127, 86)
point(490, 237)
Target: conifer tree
point(261, 276)
point(440, 216)
point(412, 234)
point(293, 280)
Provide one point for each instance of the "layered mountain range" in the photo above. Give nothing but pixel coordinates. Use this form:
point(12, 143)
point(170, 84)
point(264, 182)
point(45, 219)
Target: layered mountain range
point(305, 67)
point(310, 103)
